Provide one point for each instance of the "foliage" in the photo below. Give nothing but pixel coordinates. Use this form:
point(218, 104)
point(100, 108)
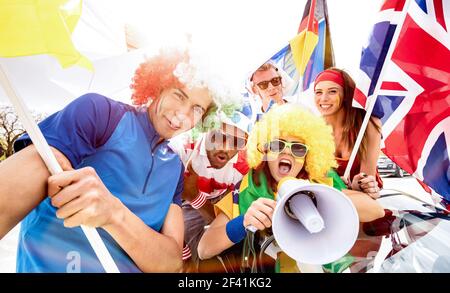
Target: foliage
point(11, 129)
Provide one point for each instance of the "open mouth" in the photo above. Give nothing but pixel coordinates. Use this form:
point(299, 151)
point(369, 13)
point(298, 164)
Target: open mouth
point(222, 158)
point(284, 166)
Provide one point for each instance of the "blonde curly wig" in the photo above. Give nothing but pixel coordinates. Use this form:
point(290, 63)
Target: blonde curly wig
point(292, 120)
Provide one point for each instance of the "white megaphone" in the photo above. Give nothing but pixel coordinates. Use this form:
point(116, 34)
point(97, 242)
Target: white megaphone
point(313, 223)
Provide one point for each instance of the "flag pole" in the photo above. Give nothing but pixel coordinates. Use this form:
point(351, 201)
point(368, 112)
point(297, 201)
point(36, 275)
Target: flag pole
point(53, 166)
point(372, 99)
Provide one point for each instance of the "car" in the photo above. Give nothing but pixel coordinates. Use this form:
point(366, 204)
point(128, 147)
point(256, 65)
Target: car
point(414, 235)
point(387, 167)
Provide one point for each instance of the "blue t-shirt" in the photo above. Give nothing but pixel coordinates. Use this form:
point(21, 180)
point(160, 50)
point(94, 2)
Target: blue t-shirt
point(120, 143)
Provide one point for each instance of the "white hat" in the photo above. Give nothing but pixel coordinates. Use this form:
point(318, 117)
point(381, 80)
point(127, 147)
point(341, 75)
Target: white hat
point(236, 119)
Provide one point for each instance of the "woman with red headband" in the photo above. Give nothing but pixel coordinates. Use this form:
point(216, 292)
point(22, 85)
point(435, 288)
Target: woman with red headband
point(333, 90)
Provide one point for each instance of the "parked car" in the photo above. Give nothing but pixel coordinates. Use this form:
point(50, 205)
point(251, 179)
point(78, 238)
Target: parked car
point(388, 167)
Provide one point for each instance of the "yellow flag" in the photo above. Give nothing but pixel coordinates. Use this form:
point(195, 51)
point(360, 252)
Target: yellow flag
point(31, 27)
point(302, 47)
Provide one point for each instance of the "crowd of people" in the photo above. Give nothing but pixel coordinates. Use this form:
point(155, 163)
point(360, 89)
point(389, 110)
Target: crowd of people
point(168, 199)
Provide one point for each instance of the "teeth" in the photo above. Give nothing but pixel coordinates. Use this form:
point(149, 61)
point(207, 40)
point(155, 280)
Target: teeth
point(325, 106)
point(286, 161)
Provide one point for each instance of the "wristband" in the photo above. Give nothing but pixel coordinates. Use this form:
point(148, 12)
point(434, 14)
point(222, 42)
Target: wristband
point(186, 252)
point(236, 230)
point(199, 201)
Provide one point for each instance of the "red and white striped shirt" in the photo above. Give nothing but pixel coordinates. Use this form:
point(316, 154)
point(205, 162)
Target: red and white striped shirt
point(211, 182)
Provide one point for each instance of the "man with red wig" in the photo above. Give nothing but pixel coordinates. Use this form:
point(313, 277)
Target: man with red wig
point(120, 175)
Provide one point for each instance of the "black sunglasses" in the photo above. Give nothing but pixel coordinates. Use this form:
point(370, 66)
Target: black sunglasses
point(276, 81)
point(219, 138)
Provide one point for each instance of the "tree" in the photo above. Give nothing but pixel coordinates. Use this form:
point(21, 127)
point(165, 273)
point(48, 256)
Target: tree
point(2, 152)
point(11, 128)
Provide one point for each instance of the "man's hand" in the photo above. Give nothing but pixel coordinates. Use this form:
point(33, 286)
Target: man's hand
point(83, 199)
point(260, 213)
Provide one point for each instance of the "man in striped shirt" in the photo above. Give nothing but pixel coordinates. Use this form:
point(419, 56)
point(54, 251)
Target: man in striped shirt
point(213, 165)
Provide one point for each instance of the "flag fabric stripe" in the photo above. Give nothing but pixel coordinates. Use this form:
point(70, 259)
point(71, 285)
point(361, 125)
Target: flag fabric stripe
point(439, 10)
point(393, 4)
point(438, 165)
point(422, 4)
point(388, 105)
point(389, 85)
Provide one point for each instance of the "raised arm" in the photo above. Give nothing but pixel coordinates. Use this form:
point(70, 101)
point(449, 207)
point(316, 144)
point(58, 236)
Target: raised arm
point(368, 208)
point(24, 185)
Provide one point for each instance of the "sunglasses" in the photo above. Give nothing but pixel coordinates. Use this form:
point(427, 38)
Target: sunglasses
point(276, 81)
point(298, 149)
point(219, 138)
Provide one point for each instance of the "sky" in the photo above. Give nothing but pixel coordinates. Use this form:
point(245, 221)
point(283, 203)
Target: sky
point(234, 36)
point(239, 35)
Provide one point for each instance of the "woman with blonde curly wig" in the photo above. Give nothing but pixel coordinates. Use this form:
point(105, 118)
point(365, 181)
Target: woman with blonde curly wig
point(288, 141)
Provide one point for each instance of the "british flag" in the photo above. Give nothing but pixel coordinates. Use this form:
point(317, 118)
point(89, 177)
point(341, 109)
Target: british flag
point(406, 67)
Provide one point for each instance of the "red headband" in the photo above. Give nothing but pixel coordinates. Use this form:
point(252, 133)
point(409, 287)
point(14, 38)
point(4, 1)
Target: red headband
point(330, 75)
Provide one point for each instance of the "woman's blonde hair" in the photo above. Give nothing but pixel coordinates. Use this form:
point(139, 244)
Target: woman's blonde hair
point(291, 120)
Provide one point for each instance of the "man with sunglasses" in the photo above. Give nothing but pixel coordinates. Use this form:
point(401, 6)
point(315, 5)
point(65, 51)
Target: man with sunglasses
point(213, 165)
point(268, 84)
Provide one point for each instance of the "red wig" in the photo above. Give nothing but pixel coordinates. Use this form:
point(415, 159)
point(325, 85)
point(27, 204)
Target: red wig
point(156, 74)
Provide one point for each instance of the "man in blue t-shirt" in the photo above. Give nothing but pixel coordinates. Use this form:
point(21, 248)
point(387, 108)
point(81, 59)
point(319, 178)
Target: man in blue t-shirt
point(120, 176)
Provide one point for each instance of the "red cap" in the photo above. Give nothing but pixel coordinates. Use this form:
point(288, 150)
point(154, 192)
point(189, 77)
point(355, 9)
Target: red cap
point(329, 75)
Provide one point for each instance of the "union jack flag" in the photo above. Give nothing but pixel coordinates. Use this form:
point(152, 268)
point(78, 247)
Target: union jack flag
point(406, 67)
